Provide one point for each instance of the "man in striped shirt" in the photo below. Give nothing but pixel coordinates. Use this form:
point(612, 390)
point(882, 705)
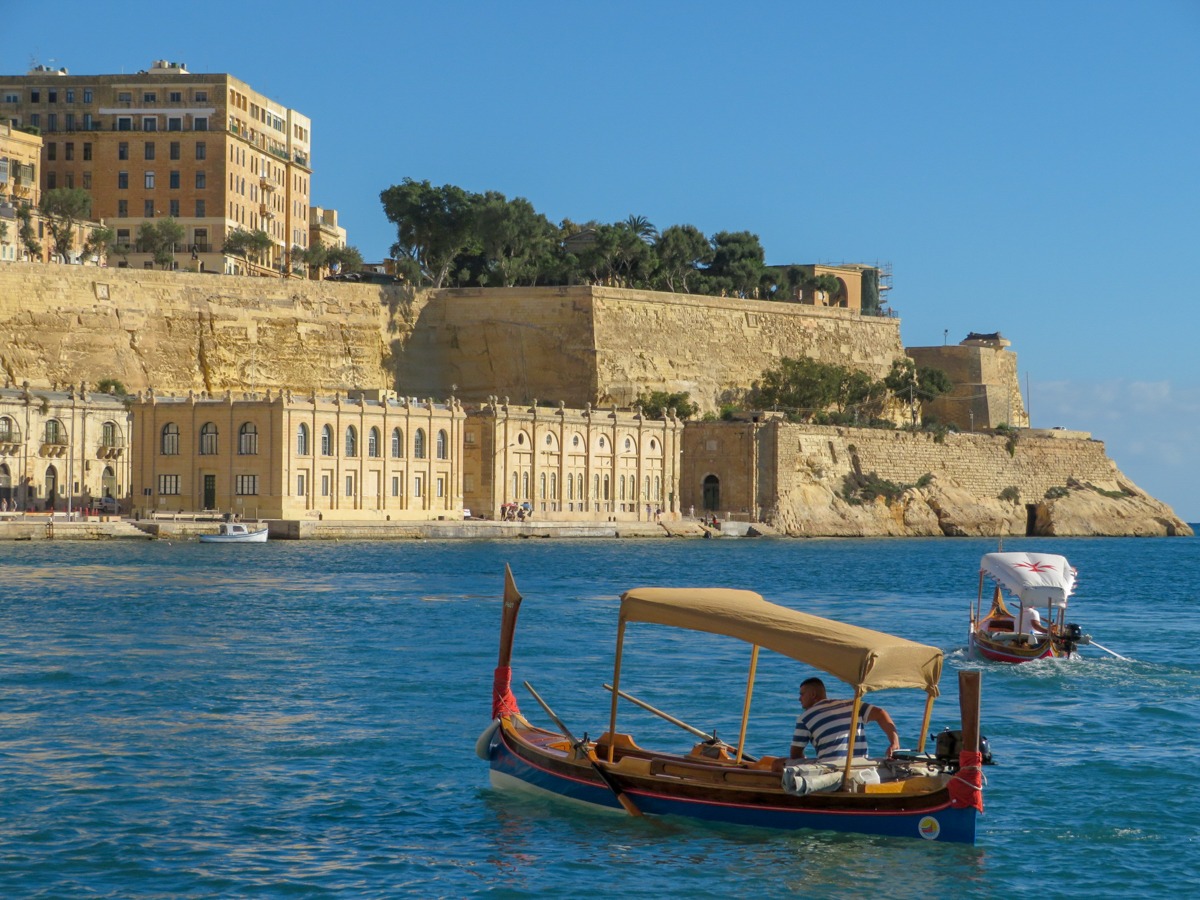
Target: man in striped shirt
point(825, 724)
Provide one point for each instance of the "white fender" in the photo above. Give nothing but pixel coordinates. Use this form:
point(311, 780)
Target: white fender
point(483, 745)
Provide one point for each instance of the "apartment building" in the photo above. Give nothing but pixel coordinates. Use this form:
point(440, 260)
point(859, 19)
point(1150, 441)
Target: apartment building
point(205, 149)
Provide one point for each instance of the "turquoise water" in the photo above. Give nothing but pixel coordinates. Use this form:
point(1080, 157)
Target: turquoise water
point(298, 720)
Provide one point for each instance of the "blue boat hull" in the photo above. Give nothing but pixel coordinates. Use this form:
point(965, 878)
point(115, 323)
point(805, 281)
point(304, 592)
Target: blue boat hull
point(932, 818)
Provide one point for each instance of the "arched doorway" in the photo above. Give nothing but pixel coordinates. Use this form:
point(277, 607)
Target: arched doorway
point(712, 493)
point(51, 487)
point(6, 491)
point(108, 482)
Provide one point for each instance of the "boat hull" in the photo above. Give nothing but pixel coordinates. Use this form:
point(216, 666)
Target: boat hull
point(251, 537)
point(517, 764)
point(1009, 653)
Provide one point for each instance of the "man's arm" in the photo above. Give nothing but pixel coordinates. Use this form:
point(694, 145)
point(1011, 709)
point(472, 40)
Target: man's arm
point(880, 717)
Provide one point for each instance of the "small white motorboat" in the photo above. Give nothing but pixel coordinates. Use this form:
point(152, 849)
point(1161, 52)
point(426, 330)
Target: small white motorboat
point(235, 533)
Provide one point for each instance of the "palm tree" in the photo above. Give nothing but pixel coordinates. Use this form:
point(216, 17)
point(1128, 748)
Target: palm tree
point(642, 227)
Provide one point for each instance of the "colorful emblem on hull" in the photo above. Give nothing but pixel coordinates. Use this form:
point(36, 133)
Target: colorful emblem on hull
point(929, 828)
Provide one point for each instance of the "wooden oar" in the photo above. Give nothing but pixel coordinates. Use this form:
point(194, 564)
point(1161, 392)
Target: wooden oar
point(674, 721)
point(630, 806)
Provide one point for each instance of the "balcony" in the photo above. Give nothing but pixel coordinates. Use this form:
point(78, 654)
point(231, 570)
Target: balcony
point(266, 211)
point(267, 184)
point(110, 451)
point(53, 448)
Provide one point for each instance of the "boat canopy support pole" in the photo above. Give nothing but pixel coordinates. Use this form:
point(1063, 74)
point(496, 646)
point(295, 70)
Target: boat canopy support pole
point(746, 705)
point(925, 723)
point(854, 716)
point(612, 719)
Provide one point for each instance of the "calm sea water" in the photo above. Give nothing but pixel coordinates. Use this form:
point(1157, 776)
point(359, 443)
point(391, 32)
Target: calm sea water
point(298, 719)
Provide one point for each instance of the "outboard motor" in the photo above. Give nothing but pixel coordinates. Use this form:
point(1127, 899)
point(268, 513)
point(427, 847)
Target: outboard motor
point(949, 745)
point(1070, 637)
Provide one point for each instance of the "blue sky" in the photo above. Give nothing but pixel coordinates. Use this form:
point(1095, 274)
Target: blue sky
point(1025, 167)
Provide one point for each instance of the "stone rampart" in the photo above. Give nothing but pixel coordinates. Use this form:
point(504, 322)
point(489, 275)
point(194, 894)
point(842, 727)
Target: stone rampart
point(602, 345)
point(182, 331)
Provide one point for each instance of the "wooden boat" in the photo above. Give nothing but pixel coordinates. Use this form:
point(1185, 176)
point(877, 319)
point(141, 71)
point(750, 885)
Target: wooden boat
point(236, 533)
point(1039, 581)
point(914, 795)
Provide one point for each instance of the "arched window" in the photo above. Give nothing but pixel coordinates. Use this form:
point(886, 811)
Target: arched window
point(248, 440)
point(621, 486)
point(570, 486)
point(442, 445)
point(419, 444)
point(397, 443)
point(327, 440)
point(628, 444)
point(516, 486)
point(595, 487)
point(55, 433)
point(553, 485)
point(542, 486)
point(525, 486)
point(657, 488)
point(649, 496)
point(302, 440)
point(351, 441)
point(170, 439)
point(8, 432)
point(208, 439)
point(110, 435)
point(373, 443)
point(607, 493)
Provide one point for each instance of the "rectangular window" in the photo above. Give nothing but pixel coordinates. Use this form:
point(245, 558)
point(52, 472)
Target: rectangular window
point(200, 123)
point(419, 486)
point(123, 150)
point(441, 486)
point(201, 96)
point(176, 96)
point(69, 179)
point(349, 485)
point(122, 209)
point(52, 122)
point(149, 150)
point(35, 96)
point(70, 123)
point(201, 181)
point(52, 151)
point(200, 209)
point(174, 123)
point(68, 150)
point(87, 151)
point(122, 181)
point(51, 180)
point(87, 121)
point(201, 150)
point(168, 484)
point(395, 486)
point(175, 154)
point(35, 120)
point(301, 486)
point(70, 95)
point(149, 181)
point(149, 97)
point(174, 213)
point(124, 97)
point(148, 209)
point(324, 485)
point(149, 123)
point(87, 95)
point(124, 123)
point(51, 96)
point(174, 176)
point(12, 98)
point(246, 484)
point(87, 181)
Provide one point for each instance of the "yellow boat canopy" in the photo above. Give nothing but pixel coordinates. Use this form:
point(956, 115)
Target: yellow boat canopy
point(864, 659)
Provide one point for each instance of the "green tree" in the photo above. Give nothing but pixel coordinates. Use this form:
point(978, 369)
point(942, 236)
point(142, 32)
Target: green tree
point(655, 404)
point(682, 250)
point(247, 244)
point(27, 233)
point(737, 263)
point(64, 208)
point(160, 239)
point(111, 386)
point(642, 227)
point(433, 225)
point(99, 241)
point(513, 238)
point(347, 259)
point(908, 383)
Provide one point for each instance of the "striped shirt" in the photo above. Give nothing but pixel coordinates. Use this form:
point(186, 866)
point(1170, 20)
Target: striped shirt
point(826, 725)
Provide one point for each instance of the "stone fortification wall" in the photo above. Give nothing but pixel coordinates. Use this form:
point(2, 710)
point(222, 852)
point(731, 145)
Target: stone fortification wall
point(606, 345)
point(987, 389)
point(980, 463)
point(179, 331)
point(524, 344)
